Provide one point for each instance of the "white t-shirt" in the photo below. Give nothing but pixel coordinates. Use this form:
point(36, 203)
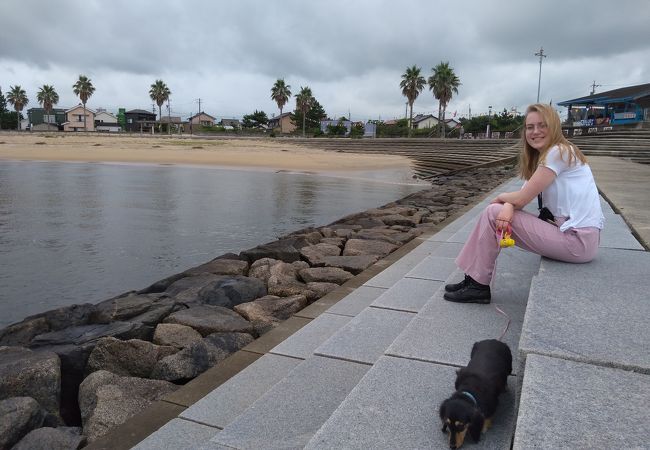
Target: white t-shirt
point(573, 193)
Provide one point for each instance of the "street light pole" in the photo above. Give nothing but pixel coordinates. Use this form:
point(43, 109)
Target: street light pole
point(539, 81)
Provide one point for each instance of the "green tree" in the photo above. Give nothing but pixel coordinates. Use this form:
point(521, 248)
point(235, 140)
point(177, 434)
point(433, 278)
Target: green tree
point(304, 102)
point(18, 98)
point(159, 93)
point(3, 103)
point(255, 120)
point(47, 97)
point(444, 84)
point(313, 117)
point(281, 93)
point(84, 89)
point(412, 84)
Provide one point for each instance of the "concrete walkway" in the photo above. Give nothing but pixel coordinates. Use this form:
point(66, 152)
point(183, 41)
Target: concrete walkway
point(368, 367)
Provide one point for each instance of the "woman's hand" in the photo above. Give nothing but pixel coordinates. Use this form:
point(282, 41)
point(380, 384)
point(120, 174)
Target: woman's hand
point(497, 199)
point(504, 218)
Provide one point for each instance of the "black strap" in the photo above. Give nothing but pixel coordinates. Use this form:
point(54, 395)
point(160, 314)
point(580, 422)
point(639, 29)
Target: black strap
point(539, 201)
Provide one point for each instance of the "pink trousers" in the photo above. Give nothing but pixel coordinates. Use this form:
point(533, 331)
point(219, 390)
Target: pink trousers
point(478, 257)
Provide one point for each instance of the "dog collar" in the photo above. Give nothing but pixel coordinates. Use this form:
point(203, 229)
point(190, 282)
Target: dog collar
point(470, 396)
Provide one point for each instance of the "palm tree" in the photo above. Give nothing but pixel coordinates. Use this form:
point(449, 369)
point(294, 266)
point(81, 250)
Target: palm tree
point(17, 97)
point(304, 102)
point(281, 93)
point(412, 84)
point(47, 97)
point(84, 89)
point(443, 83)
point(159, 93)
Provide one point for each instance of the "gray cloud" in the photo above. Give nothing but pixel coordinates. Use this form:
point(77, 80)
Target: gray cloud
point(351, 53)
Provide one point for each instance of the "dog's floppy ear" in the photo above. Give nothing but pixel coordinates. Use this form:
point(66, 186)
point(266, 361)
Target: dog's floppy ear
point(443, 414)
point(476, 425)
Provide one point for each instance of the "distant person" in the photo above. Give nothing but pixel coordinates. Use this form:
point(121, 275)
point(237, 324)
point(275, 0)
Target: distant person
point(558, 170)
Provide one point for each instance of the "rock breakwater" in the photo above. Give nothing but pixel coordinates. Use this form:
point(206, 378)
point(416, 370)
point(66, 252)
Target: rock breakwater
point(92, 366)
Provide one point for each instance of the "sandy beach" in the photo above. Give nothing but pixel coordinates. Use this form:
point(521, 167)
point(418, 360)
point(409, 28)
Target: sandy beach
point(245, 153)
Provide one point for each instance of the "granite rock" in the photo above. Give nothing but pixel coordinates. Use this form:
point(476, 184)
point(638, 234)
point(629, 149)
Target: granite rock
point(107, 400)
point(199, 356)
point(230, 291)
point(356, 247)
point(175, 335)
point(210, 319)
point(25, 373)
point(134, 358)
point(18, 416)
point(48, 438)
point(325, 275)
point(266, 312)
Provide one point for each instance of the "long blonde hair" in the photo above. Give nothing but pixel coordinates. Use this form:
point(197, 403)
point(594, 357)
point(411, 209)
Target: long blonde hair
point(530, 158)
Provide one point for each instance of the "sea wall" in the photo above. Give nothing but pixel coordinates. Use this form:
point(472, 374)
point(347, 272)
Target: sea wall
point(76, 372)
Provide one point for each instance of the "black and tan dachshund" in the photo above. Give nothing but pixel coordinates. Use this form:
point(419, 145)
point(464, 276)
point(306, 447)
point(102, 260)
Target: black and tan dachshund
point(471, 407)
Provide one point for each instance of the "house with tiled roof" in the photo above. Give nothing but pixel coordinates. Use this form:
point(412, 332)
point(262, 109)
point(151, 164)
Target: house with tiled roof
point(79, 118)
point(283, 122)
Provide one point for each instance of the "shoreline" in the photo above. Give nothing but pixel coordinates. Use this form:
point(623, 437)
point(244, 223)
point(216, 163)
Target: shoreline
point(230, 153)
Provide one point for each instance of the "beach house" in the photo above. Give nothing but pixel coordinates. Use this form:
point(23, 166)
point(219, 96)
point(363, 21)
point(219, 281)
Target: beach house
point(139, 121)
point(106, 122)
point(201, 120)
point(79, 119)
point(40, 121)
point(285, 119)
point(424, 121)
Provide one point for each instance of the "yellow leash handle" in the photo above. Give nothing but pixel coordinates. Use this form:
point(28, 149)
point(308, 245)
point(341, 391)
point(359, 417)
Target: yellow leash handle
point(506, 240)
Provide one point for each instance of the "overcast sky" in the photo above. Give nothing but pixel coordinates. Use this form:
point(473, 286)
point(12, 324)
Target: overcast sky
point(350, 53)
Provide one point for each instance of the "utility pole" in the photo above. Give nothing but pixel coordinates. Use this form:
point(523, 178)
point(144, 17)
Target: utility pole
point(594, 86)
point(169, 117)
point(487, 129)
point(539, 80)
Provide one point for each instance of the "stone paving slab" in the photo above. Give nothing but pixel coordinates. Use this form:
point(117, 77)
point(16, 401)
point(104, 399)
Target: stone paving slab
point(565, 404)
point(448, 250)
point(462, 235)
point(289, 414)
point(608, 263)
point(446, 332)
point(396, 272)
point(221, 406)
point(178, 434)
point(356, 301)
point(303, 343)
point(597, 317)
point(365, 338)
point(395, 406)
point(434, 268)
point(408, 294)
point(616, 234)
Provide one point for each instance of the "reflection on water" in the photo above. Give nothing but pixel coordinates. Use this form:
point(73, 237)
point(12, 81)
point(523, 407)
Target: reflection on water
point(75, 233)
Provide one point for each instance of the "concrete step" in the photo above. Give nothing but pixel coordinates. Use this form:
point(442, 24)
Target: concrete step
point(371, 371)
point(567, 404)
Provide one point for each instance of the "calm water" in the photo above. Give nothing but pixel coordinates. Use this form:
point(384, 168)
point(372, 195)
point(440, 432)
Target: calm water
point(75, 233)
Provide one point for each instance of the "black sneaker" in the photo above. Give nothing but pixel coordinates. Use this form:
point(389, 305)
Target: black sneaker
point(472, 292)
point(457, 286)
